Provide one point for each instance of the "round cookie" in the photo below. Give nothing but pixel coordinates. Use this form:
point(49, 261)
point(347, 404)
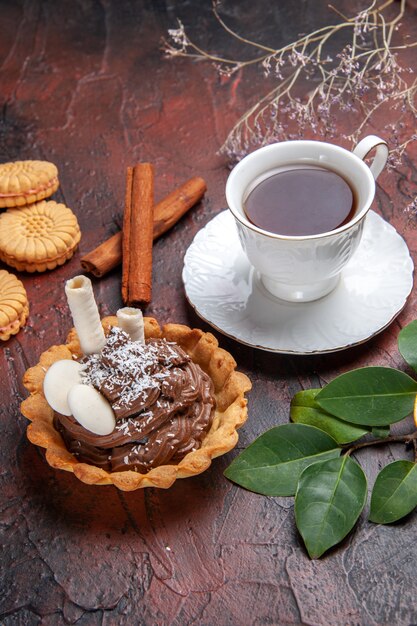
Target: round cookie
point(25, 182)
point(38, 237)
point(14, 306)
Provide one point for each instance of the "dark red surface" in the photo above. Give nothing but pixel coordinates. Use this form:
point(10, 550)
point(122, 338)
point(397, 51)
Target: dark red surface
point(84, 84)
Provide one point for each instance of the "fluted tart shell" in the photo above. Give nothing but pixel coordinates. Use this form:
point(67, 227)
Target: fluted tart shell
point(230, 387)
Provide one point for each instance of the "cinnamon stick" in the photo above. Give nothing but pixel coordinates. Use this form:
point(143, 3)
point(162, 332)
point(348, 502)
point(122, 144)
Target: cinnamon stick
point(138, 235)
point(166, 213)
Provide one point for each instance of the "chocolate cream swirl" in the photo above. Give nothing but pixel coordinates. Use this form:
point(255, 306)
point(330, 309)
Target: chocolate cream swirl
point(162, 401)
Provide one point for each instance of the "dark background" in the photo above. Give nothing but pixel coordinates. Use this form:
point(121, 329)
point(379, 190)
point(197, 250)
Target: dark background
point(85, 84)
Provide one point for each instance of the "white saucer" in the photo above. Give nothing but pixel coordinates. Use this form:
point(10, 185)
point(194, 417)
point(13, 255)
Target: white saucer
point(226, 292)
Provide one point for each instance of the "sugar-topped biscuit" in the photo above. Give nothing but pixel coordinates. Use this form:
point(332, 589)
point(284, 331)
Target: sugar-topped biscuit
point(25, 182)
point(38, 237)
point(14, 306)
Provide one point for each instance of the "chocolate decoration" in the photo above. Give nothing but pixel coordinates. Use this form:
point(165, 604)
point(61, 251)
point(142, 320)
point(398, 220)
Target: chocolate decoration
point(163, 403)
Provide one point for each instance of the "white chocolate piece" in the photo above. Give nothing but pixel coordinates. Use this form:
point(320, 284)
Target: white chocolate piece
point(59, 379)
point(83, 307)
point(91, 409)
point(131, 321)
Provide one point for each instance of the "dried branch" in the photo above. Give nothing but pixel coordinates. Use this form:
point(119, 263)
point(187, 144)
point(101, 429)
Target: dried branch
point(359, 81)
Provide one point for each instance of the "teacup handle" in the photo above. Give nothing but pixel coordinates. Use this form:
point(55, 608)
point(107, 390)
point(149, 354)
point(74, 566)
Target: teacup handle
point(365, 146)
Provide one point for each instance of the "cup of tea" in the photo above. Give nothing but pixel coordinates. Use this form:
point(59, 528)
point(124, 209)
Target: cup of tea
point(300, 207)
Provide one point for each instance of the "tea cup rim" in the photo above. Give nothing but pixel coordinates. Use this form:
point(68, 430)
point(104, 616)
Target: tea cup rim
point(240, 217)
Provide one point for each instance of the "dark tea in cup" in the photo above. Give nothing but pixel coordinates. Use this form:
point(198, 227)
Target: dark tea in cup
point(300, 209)
point(300, 200)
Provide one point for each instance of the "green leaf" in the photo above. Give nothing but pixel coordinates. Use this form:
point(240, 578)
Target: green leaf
point(330, 497)
point(395, 492)
point(381, 432)
point(372, 396)
point(305, 410)
point(407, 344)
point(272, 464)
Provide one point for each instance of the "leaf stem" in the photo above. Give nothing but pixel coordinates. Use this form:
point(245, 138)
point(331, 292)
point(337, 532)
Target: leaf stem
point(410, 438)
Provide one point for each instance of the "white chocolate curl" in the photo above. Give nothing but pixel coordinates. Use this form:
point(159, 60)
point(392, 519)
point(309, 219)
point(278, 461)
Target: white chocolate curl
point(83, 307)
point(131, 321)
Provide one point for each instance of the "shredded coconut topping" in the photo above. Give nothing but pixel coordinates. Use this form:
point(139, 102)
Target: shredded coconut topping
point(129, 368)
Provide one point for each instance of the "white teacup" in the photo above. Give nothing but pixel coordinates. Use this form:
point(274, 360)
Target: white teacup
point(304, 268)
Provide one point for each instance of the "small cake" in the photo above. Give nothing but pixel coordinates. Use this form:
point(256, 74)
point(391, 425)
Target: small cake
point(14, 305)
point(38, 237)
point(128, 403)
point(24, 182)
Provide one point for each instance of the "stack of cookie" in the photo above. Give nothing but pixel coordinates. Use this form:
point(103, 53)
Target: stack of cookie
point(14, 306)
point(36, 234)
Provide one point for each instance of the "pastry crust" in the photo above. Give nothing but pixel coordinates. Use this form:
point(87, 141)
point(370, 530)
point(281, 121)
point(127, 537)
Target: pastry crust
point(231, 412)
point(24, 182)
